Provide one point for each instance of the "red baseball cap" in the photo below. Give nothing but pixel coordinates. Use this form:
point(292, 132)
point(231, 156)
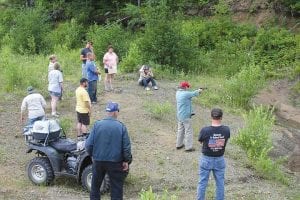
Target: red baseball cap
point(184, 84)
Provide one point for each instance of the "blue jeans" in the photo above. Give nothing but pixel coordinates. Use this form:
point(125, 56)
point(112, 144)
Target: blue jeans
point(92, 90)
point(30, 122)
point(83, 71)
point(217, 166)
point(146, 81)
point(116, 176)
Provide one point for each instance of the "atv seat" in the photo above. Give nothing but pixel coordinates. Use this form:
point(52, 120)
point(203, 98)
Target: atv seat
point(64, 145)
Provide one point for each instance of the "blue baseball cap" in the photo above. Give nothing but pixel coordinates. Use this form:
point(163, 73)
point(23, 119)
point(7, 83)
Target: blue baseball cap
point(112, 107)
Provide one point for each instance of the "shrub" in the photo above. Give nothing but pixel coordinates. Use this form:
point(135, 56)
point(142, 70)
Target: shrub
point(132, 60)
point(243, 85)
point(68, 34)
point(275, 51)
point(29, 31)
point(111, 34)
point(255, 139)
point(161, 40)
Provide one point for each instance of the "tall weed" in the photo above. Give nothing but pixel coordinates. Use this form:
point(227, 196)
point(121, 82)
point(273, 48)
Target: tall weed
point(255, 139)
point(159, 110)
point(150, 195)
point(243, 85)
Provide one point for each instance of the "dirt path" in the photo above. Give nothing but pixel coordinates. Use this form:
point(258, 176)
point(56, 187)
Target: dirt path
point(156, 161)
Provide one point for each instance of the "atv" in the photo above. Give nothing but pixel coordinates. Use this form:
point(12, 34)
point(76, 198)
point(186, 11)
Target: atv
point(57, 155)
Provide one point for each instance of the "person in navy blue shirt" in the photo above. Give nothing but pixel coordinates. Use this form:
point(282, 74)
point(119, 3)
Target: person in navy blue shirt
point(214, 139)
point(83, 57)
point(109, 146)
point(92, 76)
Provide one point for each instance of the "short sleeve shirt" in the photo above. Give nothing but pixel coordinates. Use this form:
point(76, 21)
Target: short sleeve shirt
point(82, 97)
point(91, 71)
point(110, 59)
point(214, 139)
point(55, 78)
point(84, 53)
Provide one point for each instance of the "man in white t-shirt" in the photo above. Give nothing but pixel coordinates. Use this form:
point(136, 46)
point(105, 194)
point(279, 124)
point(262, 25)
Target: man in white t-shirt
point(55, 87)
point(35, 104)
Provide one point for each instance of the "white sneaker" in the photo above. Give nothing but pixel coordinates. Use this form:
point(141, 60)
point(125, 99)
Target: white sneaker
point(155, 88)
point(147, 88)
point(55, 115)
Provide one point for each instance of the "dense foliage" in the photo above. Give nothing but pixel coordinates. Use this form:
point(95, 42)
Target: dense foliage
point(149, 32)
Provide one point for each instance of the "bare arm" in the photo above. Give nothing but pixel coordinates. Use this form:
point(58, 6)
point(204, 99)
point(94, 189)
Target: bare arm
point(82, 58)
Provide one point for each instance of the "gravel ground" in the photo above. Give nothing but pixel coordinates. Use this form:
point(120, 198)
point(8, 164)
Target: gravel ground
point(156, 162)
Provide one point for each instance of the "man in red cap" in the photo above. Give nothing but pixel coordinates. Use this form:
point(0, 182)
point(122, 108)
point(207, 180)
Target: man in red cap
point(184, 113)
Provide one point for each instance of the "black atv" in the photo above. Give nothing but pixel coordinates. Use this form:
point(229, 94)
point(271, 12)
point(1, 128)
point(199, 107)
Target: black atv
point(57, 155)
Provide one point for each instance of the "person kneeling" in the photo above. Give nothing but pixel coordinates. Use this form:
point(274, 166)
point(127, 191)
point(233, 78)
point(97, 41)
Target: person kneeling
point(146, 76)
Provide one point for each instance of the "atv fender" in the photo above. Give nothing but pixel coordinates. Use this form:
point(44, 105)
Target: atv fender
point(55, 158)
point(84, 161)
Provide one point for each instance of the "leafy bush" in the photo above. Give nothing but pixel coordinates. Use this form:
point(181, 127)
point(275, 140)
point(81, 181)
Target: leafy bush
point(275, 51)
point(150, 195)
point(243, 85)
point(161, 42)
point(68, 34)
point(29, 30)
point(111, 34)
point(132, 60)
point(255, 139)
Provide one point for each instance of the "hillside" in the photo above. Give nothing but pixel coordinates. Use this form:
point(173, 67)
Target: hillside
point(156, 162)
point(245, 52)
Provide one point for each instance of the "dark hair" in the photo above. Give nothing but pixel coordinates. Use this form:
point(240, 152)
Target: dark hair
point(110, 47)
point(216, 113)
point(83, 80)
point(90, 42)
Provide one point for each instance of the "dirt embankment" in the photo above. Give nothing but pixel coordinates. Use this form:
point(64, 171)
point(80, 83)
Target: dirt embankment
point(287, 142)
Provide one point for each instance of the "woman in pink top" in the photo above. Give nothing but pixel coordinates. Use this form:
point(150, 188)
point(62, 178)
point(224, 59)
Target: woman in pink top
point(110, 61)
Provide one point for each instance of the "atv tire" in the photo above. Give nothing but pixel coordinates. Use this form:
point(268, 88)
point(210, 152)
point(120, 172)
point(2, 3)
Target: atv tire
point(86, 180)
point(39, 171)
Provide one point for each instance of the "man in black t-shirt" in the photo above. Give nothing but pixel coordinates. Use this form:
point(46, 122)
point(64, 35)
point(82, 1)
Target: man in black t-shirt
point(214, 139)
point(83, 57)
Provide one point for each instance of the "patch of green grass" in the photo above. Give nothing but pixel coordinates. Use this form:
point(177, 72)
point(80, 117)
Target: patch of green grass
point(159, 110)
point(3, 156)
point(150, 195)
point(66, 124)
point(255, 139)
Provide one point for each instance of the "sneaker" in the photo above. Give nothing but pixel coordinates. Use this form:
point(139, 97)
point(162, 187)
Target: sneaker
point(55, 115)
point(180, 147)
point(147, 88)
point(155, 88)
point(94, 102)
point(190, 150)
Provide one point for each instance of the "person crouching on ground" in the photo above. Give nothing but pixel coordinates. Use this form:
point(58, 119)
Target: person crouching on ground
point(83, 108)
point(92, 76)
point(214, 139)
point(35, 103)
point(146, 76)
point(184, 114)
point(55, 87)
point(109, 146)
